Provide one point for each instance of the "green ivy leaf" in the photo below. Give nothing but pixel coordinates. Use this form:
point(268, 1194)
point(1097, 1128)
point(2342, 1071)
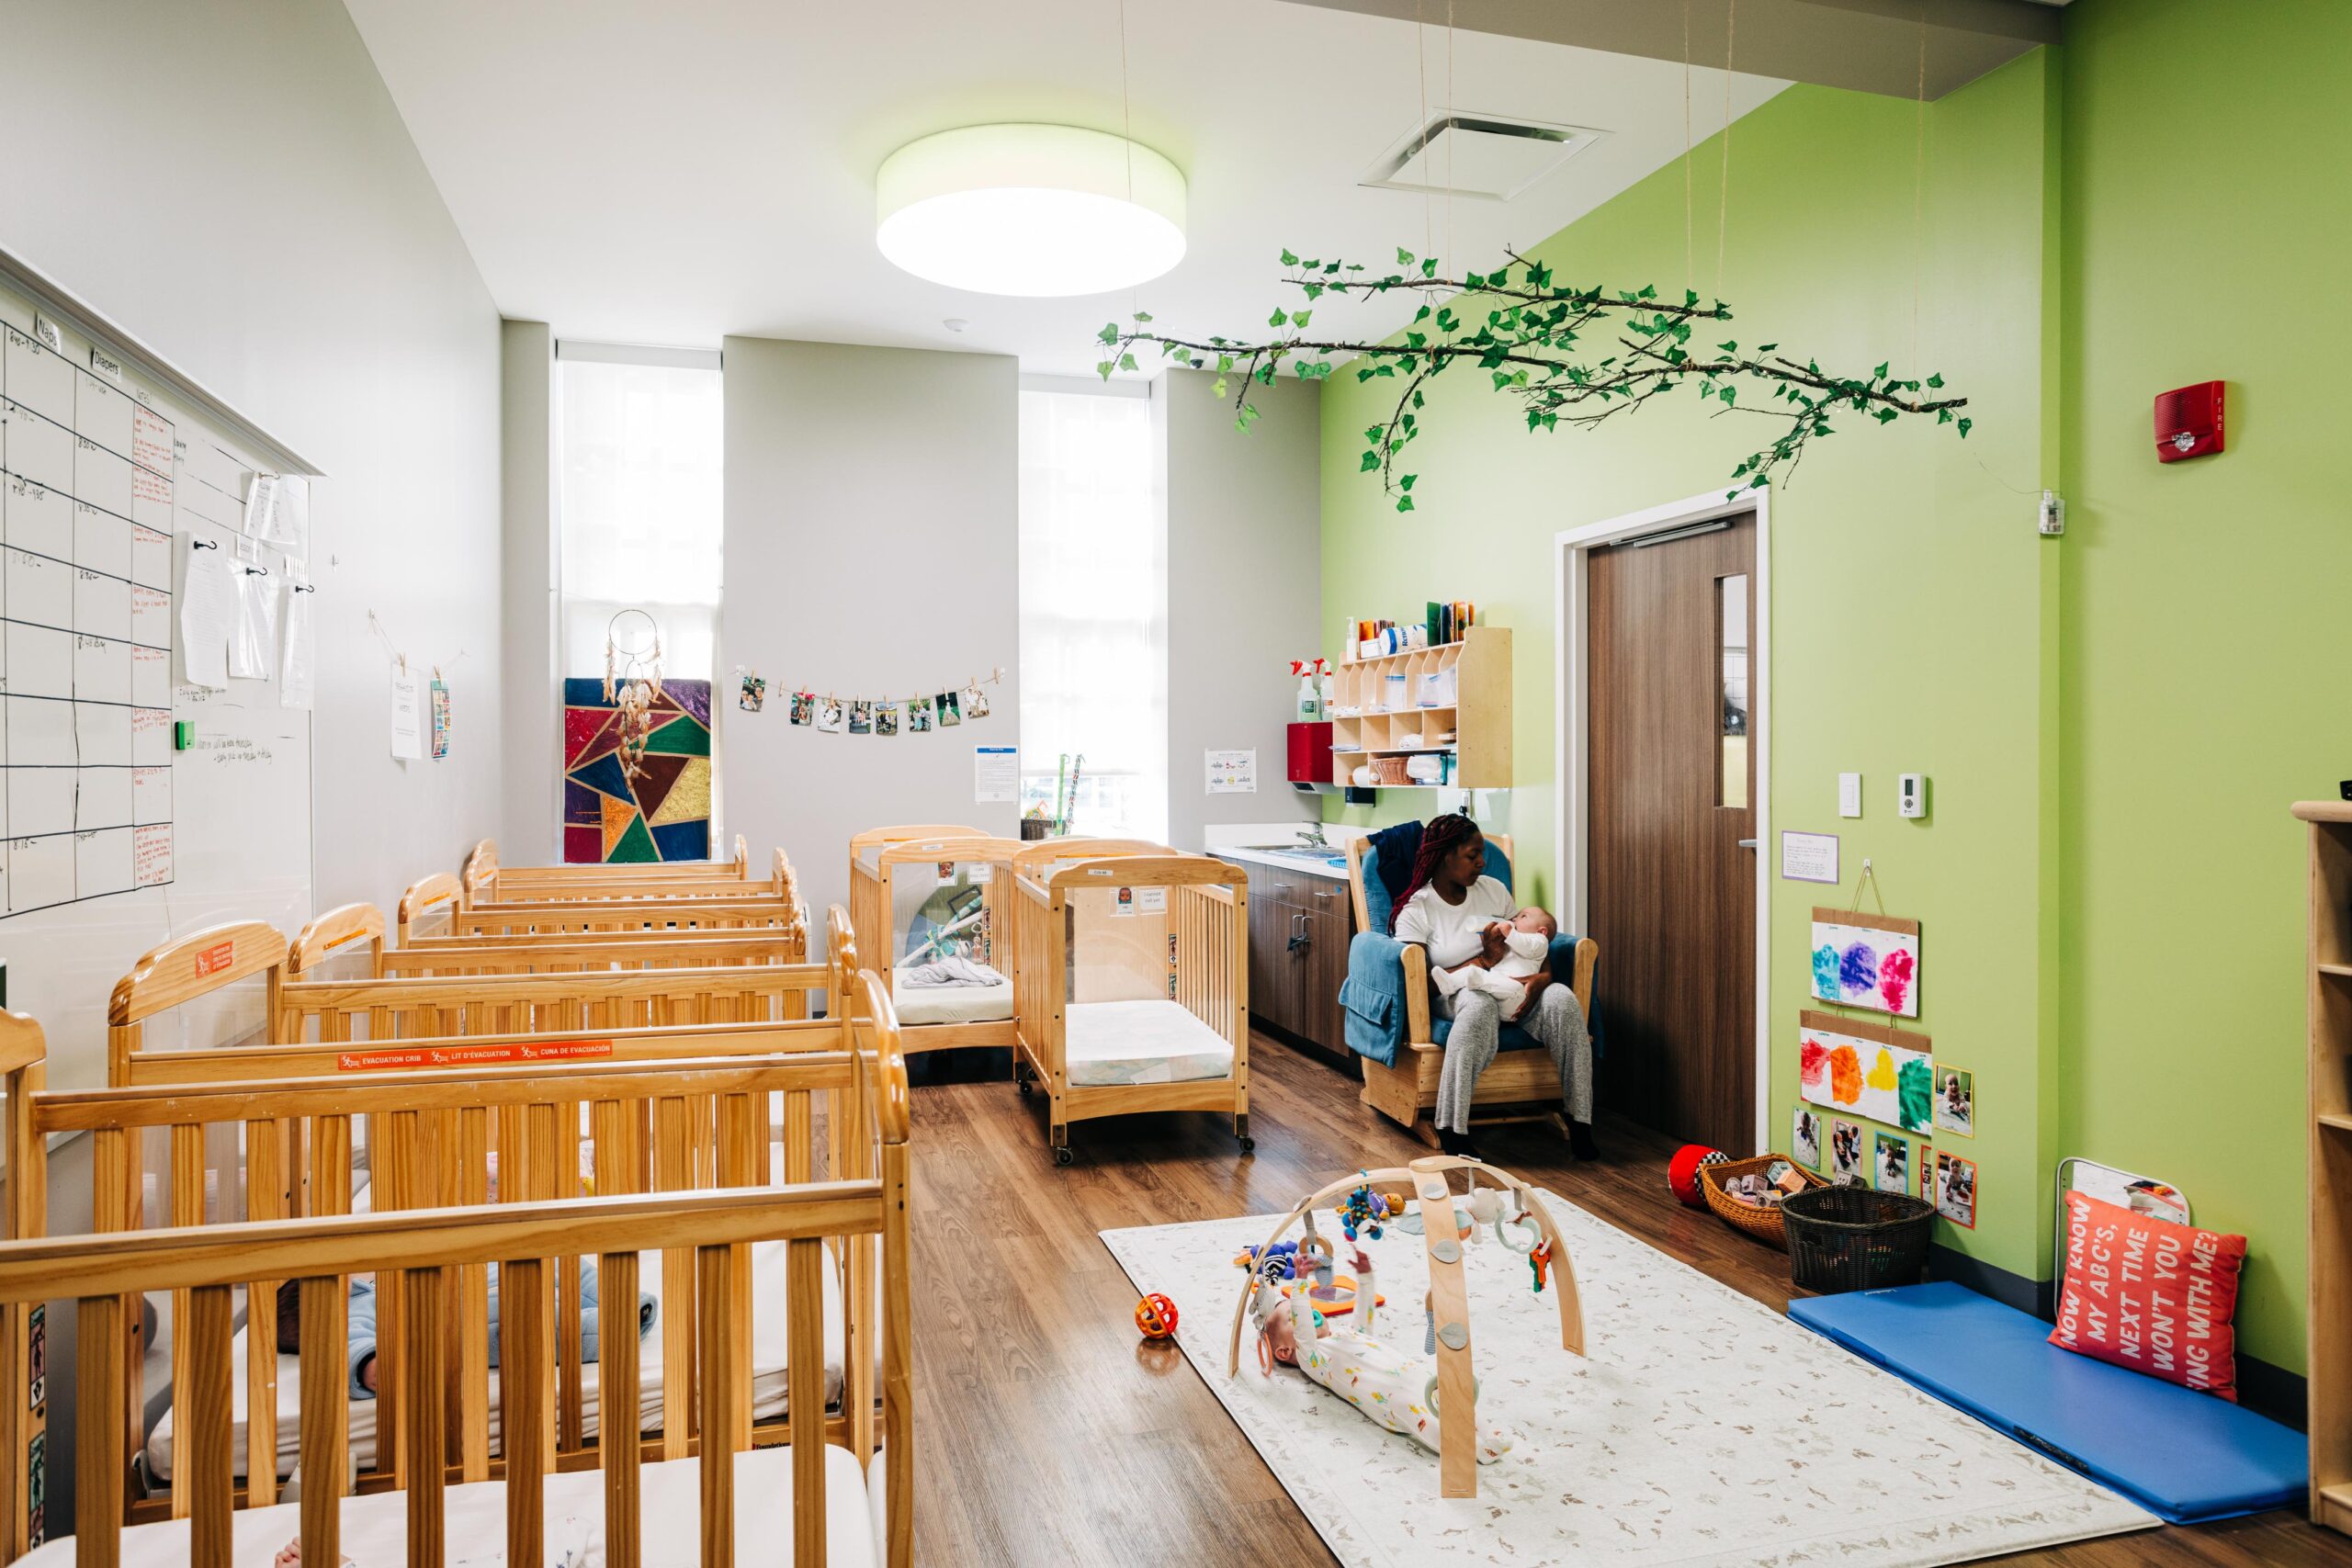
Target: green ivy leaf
point(1937, 379)
point(1371, 461)
point(1104, 367)
point(1127, 362)
point(1298, 318)
point(1110, 332)
point(1143, 315)
point(1218, 390)
point(1403, 256)
point(1880, 374)
point(1277, 319)
point(1428, 267)
point(1404, 502)
point(1964, 424)
point(1408, 481)
point(1289, 258)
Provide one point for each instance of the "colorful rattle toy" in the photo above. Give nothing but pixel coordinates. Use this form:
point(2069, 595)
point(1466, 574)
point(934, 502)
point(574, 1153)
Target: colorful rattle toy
point(1155, 1318)
point(1365, 1211)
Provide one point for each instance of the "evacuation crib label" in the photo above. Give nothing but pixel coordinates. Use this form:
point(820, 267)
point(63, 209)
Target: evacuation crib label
point(394, 1058)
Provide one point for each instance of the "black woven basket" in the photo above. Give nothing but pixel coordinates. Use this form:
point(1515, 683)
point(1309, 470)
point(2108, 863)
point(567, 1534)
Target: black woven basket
point(1856, 1239)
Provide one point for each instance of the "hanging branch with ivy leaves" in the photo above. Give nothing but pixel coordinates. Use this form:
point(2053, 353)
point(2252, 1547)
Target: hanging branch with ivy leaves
point(1536, 340)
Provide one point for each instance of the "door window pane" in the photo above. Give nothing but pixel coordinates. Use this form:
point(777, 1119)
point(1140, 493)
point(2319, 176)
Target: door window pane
point(1731, 659)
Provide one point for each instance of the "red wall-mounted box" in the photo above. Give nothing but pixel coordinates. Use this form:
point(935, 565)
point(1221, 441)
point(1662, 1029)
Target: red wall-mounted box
point(1310, 753)
point(2188, 421)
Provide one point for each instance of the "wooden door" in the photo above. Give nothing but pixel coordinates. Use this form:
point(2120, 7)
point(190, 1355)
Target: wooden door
point(1671, 828)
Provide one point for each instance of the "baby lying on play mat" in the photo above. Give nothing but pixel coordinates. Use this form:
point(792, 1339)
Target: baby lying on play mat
point(1527, 948)
point(1394, 1390)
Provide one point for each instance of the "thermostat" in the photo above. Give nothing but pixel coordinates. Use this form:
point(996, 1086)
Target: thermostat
point(1911, 795)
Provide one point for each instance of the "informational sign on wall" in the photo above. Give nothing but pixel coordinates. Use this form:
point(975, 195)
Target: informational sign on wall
point(1233, 773)
point(996, 773)
point(1809, 857)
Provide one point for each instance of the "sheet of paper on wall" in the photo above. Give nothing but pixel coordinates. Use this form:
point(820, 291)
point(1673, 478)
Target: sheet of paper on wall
point(255, 641)
point(261, 499)
point(408, 714)
point(1233, 773)
point(996, 773)
point(208, 616)
point(294, 680)
point(290, 517)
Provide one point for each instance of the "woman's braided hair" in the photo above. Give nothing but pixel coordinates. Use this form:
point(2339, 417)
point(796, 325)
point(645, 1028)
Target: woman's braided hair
point(1440, 839)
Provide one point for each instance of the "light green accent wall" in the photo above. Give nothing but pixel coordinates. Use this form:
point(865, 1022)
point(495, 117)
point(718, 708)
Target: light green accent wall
point(2208, 603)
point(1911, 598)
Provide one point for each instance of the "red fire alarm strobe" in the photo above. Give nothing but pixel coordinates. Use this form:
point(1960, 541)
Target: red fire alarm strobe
point(2188, 421)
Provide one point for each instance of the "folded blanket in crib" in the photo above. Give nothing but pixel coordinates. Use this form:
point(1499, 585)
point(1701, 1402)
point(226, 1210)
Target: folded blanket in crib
point(954, 970)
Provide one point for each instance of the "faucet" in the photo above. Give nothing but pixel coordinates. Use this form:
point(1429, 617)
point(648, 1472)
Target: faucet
point(1312, 836)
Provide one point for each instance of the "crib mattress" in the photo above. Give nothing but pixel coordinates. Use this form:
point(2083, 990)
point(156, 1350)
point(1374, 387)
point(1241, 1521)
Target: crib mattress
point(950, 1004)
point(768, 1392)
point(374, 1527)
point(1110, 1044)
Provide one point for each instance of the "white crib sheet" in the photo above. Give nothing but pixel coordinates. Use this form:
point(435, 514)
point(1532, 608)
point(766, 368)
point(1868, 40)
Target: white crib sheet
point(768, 1387)
point(950, 1004)
point(374, 1527)
point(1109, 1044)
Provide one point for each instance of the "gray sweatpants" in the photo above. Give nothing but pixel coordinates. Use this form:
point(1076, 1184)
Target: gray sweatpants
point(1556, 1019)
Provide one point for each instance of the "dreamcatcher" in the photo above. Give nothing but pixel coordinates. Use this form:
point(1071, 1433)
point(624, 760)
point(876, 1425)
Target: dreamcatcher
point(632, 680)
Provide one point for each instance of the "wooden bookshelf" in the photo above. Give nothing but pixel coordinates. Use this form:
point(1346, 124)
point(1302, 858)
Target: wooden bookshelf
point(2330, 1325)
point(1385, 694)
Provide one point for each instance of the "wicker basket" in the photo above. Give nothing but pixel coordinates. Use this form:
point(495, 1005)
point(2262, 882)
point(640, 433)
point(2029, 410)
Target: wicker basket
point(1761, 1221)
point(1855, 1238)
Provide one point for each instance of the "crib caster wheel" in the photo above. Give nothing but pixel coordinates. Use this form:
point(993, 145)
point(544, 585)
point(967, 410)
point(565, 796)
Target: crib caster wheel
point(1063, 1156)
point(1023, 1085)
point(1248, 1145)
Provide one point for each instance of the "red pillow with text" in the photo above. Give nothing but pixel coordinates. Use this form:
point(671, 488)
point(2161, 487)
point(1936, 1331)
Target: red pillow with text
point(2150, 1294)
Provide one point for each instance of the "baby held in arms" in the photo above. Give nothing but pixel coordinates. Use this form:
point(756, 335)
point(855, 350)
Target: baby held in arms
point(1527, 948)
point(1393, 1389)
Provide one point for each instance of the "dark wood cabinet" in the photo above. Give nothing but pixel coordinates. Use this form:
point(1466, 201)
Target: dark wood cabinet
point(1299, 927)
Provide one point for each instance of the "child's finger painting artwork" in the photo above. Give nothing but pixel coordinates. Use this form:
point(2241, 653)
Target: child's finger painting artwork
point(1887, 1074)
point(1866, 961)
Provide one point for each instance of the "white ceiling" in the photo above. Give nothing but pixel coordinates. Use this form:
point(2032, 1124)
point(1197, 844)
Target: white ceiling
point(674, 173)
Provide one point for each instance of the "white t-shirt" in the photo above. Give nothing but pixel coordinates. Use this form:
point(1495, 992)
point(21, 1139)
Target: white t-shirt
point(1452, 932)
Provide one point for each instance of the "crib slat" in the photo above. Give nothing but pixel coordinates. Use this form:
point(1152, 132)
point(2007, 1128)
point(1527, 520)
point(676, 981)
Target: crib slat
point(541, 1122)
point(898, 1360)
point(722, 1350)
point(114, 1198)
point(670, 1154)
point(472, 1183)
point(424, 1293)
point(204, 1487)
point(523, 1389)
point(805, 1382)
point(186, 1208)
point(265, 1199)
point(99, 1461)
point(324, 1426)
point(394, 1156)
point(741, 1136)
point(571, 1405)
point(618, 1395)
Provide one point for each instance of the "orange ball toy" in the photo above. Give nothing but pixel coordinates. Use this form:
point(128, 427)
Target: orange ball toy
point(1155, 1318)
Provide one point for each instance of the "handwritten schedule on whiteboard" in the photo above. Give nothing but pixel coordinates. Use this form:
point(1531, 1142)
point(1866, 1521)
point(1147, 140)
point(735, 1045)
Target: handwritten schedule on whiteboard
point(86, 483)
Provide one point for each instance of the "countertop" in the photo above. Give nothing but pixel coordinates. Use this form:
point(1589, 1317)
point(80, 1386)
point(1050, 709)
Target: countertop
point(1241, 843)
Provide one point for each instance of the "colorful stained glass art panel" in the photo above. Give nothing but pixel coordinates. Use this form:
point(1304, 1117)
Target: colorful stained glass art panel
point(659, 811)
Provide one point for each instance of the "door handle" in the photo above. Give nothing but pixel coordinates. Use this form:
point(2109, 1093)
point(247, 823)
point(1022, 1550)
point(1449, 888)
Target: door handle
point(1748, 843)
point(1299, 937)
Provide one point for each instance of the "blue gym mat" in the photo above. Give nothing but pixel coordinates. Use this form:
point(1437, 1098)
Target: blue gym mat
point(2184, 1455)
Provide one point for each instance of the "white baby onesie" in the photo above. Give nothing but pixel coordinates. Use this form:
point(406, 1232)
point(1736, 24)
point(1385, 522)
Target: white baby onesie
point(1524, 954)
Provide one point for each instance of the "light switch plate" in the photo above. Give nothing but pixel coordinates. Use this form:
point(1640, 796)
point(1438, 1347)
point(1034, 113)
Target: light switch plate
point(1911, 795)
point(1849, 794)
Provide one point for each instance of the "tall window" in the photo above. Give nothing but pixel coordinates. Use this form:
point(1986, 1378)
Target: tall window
point(1093, 611)
point(640, 440)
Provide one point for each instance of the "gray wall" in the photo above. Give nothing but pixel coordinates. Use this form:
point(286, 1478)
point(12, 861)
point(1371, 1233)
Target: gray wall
point(232, 183)
point(873, 522)
point(532, 806)
point(1245, 589)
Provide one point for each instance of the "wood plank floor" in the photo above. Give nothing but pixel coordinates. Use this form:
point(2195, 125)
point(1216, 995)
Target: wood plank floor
point(1046, 1432)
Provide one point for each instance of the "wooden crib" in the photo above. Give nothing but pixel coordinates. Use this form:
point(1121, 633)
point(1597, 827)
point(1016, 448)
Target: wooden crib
point(705, 1208)
point(945, 1017)
point(1131, 976)
point(433, 910)
point(354, 934)
point(379, 1023)
point(483, 875)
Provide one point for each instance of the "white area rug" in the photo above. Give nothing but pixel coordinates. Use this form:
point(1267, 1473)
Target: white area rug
point(1703, 1429)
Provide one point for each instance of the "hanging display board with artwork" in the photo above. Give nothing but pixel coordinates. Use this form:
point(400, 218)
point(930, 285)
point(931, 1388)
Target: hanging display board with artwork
point(1883, 1074)
point(1866, 961)
point(621, 803)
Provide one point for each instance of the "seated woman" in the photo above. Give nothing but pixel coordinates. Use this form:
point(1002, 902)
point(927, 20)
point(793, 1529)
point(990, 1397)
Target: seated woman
point(1461, 917)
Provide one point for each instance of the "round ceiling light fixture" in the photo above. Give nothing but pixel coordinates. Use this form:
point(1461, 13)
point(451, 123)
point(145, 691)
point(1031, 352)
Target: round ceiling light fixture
point(1030, 210)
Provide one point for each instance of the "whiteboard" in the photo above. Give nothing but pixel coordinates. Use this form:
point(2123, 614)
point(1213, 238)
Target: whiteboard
point(114, 469)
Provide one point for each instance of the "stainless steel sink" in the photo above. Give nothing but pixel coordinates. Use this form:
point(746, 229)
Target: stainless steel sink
point(1319, 854)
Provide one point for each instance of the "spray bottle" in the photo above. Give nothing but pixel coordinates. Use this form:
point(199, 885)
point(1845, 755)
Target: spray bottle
point(1311, 701)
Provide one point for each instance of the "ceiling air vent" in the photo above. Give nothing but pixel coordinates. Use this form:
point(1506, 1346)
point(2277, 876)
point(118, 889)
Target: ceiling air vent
point(1489, 156)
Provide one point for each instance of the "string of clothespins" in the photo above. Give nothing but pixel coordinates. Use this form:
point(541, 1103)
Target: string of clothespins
point(943, 707)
